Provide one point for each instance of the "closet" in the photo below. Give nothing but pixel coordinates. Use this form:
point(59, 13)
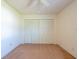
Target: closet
point(39, 30)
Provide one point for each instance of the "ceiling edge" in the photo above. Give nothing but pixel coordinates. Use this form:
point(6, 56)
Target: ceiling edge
point(66, 6)
point(5, 1)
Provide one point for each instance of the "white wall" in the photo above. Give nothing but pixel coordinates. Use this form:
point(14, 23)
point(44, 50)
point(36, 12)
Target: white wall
point(66, 28)
point(11, 29)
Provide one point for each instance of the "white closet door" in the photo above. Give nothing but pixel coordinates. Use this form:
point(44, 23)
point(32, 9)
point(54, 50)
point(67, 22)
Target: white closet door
point(31, 29)
point(35, 31)
point(47, 31)
point(27, 31)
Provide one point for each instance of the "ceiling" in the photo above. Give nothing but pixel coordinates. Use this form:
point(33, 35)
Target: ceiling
point(39, 6)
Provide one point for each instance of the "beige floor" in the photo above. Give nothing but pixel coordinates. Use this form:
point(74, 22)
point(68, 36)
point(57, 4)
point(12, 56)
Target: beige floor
point(36, 51)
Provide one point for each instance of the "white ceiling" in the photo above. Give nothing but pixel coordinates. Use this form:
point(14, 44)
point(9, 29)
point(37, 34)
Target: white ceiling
point(39, 6)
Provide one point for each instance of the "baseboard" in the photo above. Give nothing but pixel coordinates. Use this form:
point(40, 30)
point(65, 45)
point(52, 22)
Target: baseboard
point(66, 52)
point(11, 51)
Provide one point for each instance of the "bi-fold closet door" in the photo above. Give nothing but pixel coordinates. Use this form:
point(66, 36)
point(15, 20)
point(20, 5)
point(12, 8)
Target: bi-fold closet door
point(39, 31)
